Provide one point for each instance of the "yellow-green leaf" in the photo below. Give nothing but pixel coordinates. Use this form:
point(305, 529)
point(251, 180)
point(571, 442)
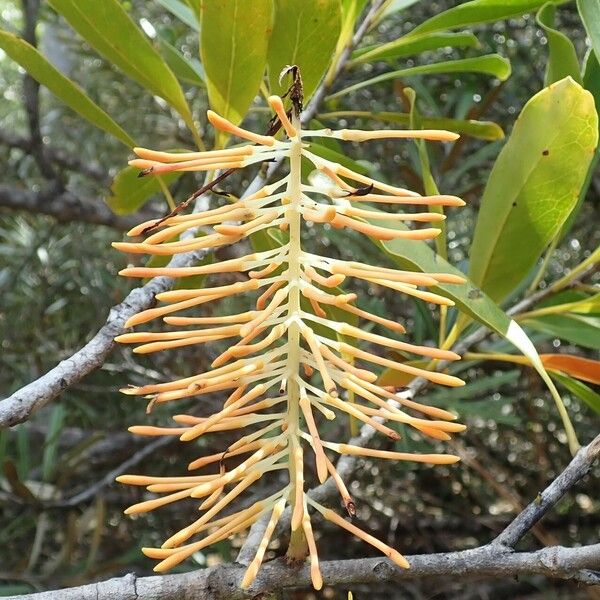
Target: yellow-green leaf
point(233, 46)
point(305, 34)
point(534, 185)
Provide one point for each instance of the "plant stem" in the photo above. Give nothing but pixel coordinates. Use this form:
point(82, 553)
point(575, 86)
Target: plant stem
point(298, 547)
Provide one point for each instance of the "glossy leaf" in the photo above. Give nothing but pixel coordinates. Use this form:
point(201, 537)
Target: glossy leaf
point(182, 11)
point(482, 130)
point(580, 390)
point(491, 64)
point(589, 11)
point(476, 12)
point(409, 46)
point(305, 34)
point(533, 186)
point(418, 256)
point(233, 46)
point(583, 330)
point(562, 58)
point(62, 87)
point(585, 369)
point(129, 193)
point(110, 31)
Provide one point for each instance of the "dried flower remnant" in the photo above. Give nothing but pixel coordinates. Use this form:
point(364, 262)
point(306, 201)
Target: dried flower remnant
point(287, 364)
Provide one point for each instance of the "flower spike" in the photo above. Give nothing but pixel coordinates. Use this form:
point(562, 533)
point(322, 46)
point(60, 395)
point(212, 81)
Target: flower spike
point(287, 362)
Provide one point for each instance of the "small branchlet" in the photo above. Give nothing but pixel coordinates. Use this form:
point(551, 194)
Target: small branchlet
point(289, 362)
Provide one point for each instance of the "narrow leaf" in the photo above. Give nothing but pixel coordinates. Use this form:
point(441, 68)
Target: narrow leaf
point(585, 369)
point(111, 32)
point(477, 12)
point(183, 12)
point(409, 45)
point(491, 64)
point(562, 58)
point(589, 11)
point(62, 87)
point(305, 34)
point(533, 186)
point(577, 329)
point(186, 70)
point(580, 390)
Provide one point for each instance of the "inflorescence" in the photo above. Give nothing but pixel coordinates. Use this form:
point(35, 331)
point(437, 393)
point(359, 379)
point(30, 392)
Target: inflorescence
point(290, 362)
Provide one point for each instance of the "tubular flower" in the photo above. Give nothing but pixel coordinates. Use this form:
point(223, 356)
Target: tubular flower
point(289, 362)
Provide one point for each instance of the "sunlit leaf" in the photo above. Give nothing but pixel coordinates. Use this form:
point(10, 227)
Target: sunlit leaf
point(62, 87)
point(533, 186)
point(305, 34)
point(233, 46)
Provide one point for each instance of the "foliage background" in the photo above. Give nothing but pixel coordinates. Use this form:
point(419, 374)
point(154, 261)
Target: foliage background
point(58, 281)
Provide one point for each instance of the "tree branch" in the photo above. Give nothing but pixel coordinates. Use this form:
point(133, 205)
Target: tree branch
point(222, 582)
point(66, 207)
point(19, 407)
point(495, 560)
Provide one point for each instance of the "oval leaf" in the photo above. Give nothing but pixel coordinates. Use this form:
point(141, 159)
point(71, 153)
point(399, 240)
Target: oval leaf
point(491, 64)
point(62, 87)
point(534, 185)
point(305, 34)
point(233, 47)
point(110, 31)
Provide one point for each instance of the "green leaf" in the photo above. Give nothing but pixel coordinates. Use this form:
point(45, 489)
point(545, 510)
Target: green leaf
point(575, 328)
point(483, 130)
point(183, 12)
point(533, 186)
point(591, 82)
point(110, 31)
point(233, 48)
point(418, 256)
point(130, 193)
point(334, 156)
point(491, 64)
point(581, 390)
point(186, 70)
point(305, 34)
point(589, 11)
point(62, 87)
point(562, 58)
point(477, 12)
point(408, 46)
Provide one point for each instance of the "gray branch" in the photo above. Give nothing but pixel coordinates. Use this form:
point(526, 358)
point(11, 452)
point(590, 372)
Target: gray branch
point(66, 207)
point(495, 560)
point(222, 582)
point(19, 407)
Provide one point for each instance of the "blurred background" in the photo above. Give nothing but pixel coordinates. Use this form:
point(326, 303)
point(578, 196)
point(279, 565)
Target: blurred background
point(62, 521)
